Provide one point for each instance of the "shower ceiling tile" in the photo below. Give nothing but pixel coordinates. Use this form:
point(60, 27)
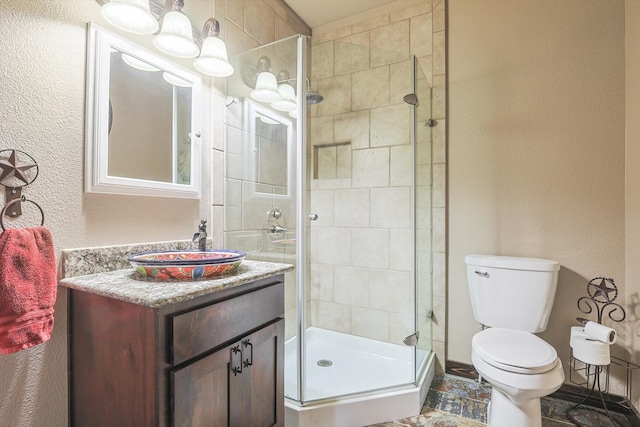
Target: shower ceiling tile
point(316, 13)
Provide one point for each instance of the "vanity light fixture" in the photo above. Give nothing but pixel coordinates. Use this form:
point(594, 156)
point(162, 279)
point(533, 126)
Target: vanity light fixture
point(287, 101)
point(132, 16)
point(262, 80)
point(174, 80)
point(213, 59)
point(138, 64)
point(176, 35)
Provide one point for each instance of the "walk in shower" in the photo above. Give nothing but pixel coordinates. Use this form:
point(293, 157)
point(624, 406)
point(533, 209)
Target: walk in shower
point(328, 167)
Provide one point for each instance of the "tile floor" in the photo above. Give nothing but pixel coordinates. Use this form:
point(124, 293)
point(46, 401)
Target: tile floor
point(459, 402)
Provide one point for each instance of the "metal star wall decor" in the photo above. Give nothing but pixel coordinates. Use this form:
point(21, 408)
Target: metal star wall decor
point(599, 288)
point(602, 293)
point(16, 171)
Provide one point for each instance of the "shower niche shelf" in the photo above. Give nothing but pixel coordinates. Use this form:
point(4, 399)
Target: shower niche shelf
point(332, 161)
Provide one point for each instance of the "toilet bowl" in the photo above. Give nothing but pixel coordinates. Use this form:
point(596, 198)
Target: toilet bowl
point(521, 368)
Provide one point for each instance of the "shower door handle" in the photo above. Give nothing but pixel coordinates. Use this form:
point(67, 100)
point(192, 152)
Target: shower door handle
point(313, 217)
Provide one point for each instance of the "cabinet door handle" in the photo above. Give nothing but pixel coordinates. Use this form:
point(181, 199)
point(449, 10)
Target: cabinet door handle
point(236, 369)
point(249, 360)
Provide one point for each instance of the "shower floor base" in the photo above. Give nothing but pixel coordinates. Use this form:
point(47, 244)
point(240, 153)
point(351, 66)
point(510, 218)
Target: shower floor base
point(354, 381)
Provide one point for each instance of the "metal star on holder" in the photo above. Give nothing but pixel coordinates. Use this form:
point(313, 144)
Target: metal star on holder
point(12, 166)
point(16, 173)
point(600, 290)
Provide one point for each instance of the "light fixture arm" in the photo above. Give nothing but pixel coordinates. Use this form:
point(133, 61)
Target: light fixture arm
point(170, 5)
point(211, 28)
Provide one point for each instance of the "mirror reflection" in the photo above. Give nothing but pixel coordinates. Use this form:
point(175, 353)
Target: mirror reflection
point(146, 127)
point(269, 141)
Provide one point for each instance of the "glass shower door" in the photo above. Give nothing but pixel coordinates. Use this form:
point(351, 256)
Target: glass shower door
point(362, 185)
point(422, 134)
point(341, 188)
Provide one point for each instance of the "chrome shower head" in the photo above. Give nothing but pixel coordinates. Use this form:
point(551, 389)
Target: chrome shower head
point(313, 97)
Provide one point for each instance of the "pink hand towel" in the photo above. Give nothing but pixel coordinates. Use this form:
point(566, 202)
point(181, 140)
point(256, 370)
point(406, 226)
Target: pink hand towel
point(28, 287)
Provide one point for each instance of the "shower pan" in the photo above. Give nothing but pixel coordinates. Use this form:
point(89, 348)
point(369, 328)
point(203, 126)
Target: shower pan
point(348, 171)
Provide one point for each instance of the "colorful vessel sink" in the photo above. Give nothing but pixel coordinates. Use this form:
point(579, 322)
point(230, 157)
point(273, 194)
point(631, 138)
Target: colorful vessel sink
point(186, 265)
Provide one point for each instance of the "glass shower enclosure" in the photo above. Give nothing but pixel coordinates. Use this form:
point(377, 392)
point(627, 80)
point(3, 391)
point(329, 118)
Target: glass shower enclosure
point(328, 168)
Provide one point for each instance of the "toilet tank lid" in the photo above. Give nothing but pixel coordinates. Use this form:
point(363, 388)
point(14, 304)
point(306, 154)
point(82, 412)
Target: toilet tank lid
point(514, 263)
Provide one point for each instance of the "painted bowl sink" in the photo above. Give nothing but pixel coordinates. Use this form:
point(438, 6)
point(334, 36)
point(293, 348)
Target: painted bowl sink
point(186, 265)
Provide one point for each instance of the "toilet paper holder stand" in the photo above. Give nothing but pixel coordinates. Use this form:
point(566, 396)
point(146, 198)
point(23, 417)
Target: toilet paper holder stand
point(601, 295)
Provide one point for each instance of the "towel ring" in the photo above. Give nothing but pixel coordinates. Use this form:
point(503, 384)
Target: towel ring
point(20, 199)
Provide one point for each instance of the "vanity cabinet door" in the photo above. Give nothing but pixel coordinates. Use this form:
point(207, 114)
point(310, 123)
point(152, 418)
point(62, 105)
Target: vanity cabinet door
point(237, 386)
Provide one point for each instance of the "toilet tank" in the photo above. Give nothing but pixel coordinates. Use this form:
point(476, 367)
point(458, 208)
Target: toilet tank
point(511, 292)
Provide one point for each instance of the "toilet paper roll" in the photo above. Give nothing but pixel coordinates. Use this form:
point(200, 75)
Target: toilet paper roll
point(575, 332)
point(600, 332)
point(588, 349)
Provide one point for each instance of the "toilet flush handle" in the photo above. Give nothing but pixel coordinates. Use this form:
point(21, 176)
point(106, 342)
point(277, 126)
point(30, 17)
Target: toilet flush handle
point(482, 273)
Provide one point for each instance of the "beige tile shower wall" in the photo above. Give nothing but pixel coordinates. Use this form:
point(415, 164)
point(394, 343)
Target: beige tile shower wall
point(358, 268)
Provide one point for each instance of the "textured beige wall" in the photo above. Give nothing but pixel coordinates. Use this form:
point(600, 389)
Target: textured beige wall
point(536, 145)
point(42, 109)
point(632, 181)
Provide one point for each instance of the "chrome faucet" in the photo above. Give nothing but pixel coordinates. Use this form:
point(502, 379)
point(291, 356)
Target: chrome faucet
point(201, 236)
point(277, 228)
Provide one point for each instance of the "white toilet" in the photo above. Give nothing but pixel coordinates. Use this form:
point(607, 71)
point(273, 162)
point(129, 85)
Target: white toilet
point(513, 297)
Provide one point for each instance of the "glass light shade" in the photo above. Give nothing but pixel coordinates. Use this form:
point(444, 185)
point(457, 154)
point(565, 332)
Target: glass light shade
point(138, 64)
point(267, 120)
point(266, 88)
point(133, 16)
point(287, 100)
point(176, 36)
point(176, 81)
point(213, 59)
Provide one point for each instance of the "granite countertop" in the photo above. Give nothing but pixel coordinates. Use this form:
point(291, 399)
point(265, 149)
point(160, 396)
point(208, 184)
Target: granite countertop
point(127, 285)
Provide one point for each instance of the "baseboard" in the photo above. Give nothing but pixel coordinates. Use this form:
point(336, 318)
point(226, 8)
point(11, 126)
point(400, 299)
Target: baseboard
point(568, 392)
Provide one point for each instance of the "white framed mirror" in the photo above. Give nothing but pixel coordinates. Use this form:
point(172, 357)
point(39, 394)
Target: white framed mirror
point(270, 151)
point(143, 121)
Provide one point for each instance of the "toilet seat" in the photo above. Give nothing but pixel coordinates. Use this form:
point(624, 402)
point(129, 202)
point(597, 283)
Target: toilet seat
point(514, 351)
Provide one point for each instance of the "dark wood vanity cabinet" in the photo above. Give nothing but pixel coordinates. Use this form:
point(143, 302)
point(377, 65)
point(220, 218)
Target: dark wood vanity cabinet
point(216, 360)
